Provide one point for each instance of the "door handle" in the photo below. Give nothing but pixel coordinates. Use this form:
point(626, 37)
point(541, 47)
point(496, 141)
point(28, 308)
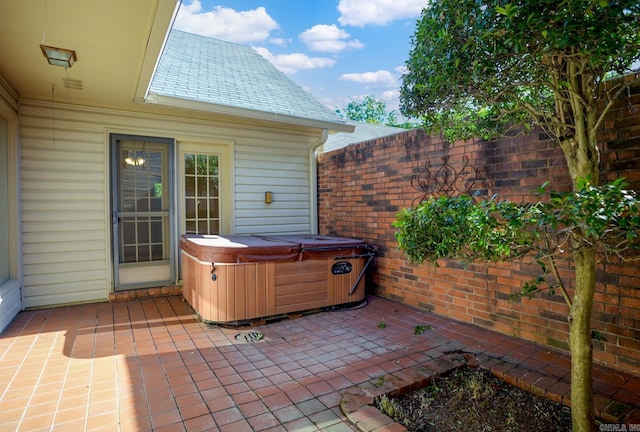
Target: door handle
point(114, 218)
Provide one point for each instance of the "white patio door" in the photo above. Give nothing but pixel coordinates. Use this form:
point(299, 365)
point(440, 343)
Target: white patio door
point(143, 251)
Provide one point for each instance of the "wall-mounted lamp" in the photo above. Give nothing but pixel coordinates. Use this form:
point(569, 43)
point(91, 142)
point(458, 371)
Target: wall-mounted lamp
point(135, 158)
point(59, 56)
point(268, 197)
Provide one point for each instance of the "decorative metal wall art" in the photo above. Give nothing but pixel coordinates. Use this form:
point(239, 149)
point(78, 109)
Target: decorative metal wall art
point(447, 180)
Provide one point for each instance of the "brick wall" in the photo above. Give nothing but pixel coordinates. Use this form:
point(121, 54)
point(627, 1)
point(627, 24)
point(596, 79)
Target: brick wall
point(362, 187)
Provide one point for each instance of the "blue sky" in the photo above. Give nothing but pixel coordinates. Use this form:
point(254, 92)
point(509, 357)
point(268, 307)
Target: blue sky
point(338, 50)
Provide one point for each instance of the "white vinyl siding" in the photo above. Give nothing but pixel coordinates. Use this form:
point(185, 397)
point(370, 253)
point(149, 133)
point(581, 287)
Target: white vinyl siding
point(63, 207)
point(66, 197)
point(282, 171)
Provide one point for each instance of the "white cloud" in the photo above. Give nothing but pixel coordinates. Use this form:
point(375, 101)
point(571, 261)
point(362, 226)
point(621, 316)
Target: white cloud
point(328, 38)
point(360, 13)
point(392, 99)
point(390, 95)
point(402, 69)
point(381, 78)
point(226, 23)
point(291, 63)
point(280, 41)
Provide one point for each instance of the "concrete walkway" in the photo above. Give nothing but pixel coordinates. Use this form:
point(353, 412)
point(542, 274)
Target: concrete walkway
point(150, 364)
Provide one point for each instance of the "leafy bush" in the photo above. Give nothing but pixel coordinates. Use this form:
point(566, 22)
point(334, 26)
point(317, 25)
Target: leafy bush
point(559, 224)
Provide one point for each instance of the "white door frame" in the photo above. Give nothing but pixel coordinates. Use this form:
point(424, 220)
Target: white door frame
point(152, 271)
point(11, 292)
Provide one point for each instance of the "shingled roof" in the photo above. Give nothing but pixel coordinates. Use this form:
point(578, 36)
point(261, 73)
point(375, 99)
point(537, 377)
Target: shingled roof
point(363, 132)
point(226, 77)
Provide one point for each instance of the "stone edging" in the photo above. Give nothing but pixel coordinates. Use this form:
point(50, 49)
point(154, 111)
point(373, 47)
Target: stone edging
point(357, 402)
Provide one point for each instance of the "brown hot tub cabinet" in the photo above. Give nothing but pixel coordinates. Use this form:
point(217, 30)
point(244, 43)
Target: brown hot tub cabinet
point(229, 279)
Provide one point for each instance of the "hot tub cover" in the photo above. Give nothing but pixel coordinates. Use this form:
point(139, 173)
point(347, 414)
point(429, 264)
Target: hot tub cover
point(237, 249)
point(314, 246)
point(249, 248)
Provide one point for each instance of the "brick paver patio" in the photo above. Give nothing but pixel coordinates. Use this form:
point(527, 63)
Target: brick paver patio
point(150, 364)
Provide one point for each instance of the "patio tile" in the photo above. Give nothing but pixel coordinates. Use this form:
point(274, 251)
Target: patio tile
point(208, 384)
point(164, 418)
point(287, 414)
point(219, 404)
point(320, 388)
point(32, 422)
point(227, 416)
point(259, 384)
point(70, 415)
point(175, 427)
point(107, 406)
point(263, 421)
point(194, 410)
point(101, 421)
point(310, 407)
point(202, 423)
point(182, 389)
point(150, 364)
point(68, 402)
point(276, 401)
point(252, 409)
point(228, 380)
point(296, 392)
point(237, 426)
point(301, 425)
point(245, 397)
point(157, 406)
point(71, 426)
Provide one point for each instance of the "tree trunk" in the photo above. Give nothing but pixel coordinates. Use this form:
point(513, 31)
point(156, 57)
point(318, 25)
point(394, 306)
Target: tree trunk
point(582, 413)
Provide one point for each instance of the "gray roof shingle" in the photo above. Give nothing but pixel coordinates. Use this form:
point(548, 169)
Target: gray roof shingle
point(203, 69)
point(363, 132)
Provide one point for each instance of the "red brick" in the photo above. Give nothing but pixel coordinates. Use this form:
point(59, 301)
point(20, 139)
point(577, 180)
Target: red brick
point(478, 293)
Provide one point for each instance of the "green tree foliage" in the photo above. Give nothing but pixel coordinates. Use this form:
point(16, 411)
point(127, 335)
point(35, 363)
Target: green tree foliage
point(467, 229)
point(487, 65)
point(498, 64)
point(369, 110)
point(374, 111)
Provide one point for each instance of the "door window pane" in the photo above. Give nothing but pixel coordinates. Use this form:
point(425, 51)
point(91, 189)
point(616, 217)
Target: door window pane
point(213, 187)
point(190, 186)
point(142, 239)
point(141, 190)
point(156, 230)
point(190, 164)
point(213, 165)
point(201, 183)
point(190, 208)
point(143, 232)
point(202, 214)
point(203, 227)
point(191, 226)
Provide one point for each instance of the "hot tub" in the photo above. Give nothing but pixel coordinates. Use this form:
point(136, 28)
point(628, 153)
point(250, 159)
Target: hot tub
point(233, 279)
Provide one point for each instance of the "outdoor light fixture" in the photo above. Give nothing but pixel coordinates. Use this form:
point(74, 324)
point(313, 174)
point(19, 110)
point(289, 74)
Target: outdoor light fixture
point(268, 197)
point(59, 56)
point(134, 159)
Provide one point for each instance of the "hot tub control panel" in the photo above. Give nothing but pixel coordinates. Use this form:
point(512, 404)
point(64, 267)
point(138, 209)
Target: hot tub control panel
point(341, 267)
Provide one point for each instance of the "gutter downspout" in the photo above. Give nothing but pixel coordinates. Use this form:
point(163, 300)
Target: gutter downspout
point(313, 180)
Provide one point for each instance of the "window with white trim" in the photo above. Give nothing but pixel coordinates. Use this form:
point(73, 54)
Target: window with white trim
point(202, 193)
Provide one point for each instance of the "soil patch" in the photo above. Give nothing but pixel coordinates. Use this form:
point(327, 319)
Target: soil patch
point(472, 399)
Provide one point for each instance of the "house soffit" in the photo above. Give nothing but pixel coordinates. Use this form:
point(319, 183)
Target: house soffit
point(117, 43)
